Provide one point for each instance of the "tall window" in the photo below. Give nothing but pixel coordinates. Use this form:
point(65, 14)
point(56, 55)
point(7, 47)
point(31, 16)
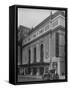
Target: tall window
point(57, 44)
point(60, 52)
point(41, 53)
point(29, 56)
point(34, 54)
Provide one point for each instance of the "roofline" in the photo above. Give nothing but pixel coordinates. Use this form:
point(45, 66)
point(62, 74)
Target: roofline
point(25, 27)
point(47, 19)
point(44, 21)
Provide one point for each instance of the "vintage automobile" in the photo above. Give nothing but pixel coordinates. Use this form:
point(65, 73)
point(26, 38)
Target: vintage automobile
point(50, 75)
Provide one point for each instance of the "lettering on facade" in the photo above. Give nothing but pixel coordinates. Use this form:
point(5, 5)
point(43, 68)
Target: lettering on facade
point(40, 32)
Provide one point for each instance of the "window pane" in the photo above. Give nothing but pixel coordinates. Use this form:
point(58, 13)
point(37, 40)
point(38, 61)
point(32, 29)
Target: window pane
point(57, 44)
point(61, 39)
point(61, 51)
point(34, 54)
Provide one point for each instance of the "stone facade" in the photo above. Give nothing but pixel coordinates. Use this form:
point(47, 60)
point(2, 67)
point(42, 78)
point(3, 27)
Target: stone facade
point(43, 48)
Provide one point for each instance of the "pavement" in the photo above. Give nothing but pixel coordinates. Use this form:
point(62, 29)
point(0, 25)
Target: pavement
point(61, 77)
point(22, 78)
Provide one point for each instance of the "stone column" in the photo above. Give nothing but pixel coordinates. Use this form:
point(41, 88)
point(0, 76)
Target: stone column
point(44, 52)
point(31, 54)
point(24, 72)
point(38, 53)
point(50, 50)
point(31, 71)
point(37, 71)
point(23, 56)
point(58, 68)
point(44, 69)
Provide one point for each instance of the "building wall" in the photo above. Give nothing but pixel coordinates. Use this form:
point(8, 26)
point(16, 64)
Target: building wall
point(44, 28)
point(49, 46)
point(45, 41)
point(19, 59)
point(25, 56)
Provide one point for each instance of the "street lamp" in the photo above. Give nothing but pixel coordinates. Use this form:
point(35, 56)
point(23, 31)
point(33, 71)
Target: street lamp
point(50, 43)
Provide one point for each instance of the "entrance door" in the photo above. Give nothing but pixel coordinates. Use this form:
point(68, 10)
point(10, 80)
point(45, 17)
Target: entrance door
point(34, 71)
point(41, 70)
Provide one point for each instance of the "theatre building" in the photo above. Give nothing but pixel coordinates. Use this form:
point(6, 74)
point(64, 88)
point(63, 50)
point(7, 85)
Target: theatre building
point(42, 48)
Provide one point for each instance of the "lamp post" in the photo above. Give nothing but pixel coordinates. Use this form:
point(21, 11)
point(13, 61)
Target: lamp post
point(50, 43)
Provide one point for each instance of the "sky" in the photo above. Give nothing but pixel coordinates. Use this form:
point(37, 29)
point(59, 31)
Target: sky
point(32, 17)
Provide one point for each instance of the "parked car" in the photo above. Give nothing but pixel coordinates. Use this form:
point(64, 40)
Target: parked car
point(50, 75)
point(46, 76)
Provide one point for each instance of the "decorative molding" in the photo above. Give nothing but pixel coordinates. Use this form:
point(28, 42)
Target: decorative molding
point(55, 23)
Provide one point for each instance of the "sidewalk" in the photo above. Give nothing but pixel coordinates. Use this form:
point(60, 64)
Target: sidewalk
point(22, 78)
point(61, 77)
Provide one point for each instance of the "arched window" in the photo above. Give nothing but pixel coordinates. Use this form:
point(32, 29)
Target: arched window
point(41, 53)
